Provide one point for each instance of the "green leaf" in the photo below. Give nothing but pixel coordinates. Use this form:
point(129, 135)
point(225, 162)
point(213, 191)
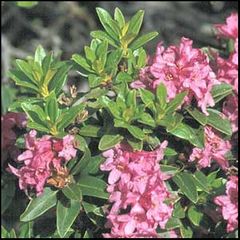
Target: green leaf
point(108, 23)
point(73, 191)
point(162, 95)
point(88, 234)
point(94, 80)
point(198, 116)
point(171, 170)
point(136, 144)
point(118, 16)
point(51, 107)
point(194, 136)
point(136, 22)
point(94, 164)
point(123, 77)
point(40, 54)
point(82, 62)
point(38, 127)
point(220, 91)
point(82, 163)
point(147, 119)
point(4, 232)
point(59, 79)
point(187, 185)
point(66, 215)
point(195, 215)
point(201, 181)
point(91, 131)
point(109, 141)
point(103, 36)
point(22, 80)
point(17, 104)
point(26, 69)
point(26, 230)
point(146, 96)
point(186, 231)
point(212, 176)
point(90, 54)
point(93, 186)
point(69, 116)
point(27, 4)
point(173, 223)
point(176, 102)
point(142, 40)
point(178, 211)
point(39, 205)
point(170, 152)
point(216, 121)
point(8, 94)
point(136, 132)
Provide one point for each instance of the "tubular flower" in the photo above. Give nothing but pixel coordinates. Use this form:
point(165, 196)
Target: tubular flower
point(180, 68)
point(137, 188)
point(42, 159)
point(215, 149)
point(229, 203)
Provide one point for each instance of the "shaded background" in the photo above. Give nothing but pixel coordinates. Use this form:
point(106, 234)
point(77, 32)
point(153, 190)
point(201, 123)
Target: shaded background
point(65, 26)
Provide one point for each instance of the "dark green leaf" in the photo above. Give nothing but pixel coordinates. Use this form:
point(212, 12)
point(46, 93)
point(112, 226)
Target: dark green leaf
point(198, 116)
point(94, 163)
point(136, 22)
point(142, 40)
point(82, 62)
point(187, 185)
point(215, 120)
point(123, 77)
point(146, 96)
point(173, 223)
point(39, 205)
point(51, 107)
point(93, 186)
point(66, 215)
point(220, 91)
point(103, 36)
point(118, 16)
point(91, 131)
point(170, 152)
point(178, 211)
point(201, 181)
point(73, 191)
point(82, 163)
point(109, 141)
point(195, 215)
point(136, 132)
point(176, 102)
point(186, 231)
point(26, 230)
point(169, 169)
point(162, 95)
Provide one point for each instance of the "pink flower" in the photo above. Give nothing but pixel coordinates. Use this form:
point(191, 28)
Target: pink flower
point(230, 29)
point(230, 110)
point(182, 68)
point(41, 160)
point(137, 184)
point(215, 149)
point(229, 203)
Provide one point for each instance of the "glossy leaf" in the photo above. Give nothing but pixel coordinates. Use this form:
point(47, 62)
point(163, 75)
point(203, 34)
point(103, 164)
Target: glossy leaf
point(66, 215)
point(220, 91)
point(187, 185)
point(39, 205)
point(198, 116)
point(195, 215)
point(73, 191)
point(109, 141)
point(216, 121)
point(142, 40)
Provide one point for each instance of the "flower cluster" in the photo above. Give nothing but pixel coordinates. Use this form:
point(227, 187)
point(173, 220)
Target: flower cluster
point(8, 138)
point(179, 69)
point(229, 203)
point(43, 157)
point(137, 191)
point(227, 69)
point(215, 149)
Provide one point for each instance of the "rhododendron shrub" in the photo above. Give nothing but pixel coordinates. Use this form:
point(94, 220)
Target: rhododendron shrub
point(148, 151)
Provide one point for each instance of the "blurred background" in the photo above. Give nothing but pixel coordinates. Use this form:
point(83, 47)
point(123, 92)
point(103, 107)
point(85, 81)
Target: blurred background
point(65, 26)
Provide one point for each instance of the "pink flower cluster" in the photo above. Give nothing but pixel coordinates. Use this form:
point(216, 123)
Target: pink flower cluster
point(229, 203)
point(42, 157)
point(215, 149)
point(227, 69)
point(137, 191)
point(8, 137)
point(180, 68)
